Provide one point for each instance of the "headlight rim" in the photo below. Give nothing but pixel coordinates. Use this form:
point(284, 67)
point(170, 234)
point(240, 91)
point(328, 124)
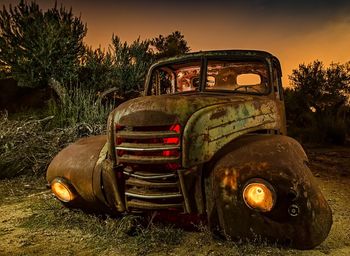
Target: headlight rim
point(265, 183)
point(68, 186)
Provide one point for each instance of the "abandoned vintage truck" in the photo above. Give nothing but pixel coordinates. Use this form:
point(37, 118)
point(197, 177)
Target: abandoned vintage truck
point(209, 138)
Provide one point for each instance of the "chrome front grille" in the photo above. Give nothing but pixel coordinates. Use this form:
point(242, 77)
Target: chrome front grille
point(147, 147)
point(150, 157)
point(152, 191)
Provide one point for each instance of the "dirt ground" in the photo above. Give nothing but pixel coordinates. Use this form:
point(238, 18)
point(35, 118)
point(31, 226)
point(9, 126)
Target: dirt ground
point(33, 223)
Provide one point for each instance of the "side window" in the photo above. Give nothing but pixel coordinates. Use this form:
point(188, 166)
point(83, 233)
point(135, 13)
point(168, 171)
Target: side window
point(155, 83)
point(173, 78)
point(162, 82)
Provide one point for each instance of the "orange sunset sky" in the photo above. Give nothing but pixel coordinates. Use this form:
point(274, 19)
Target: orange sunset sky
point(295, 31)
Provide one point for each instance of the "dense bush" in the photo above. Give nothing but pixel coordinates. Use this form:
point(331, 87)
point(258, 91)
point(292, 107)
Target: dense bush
point(96, 70)
point(39, 46)
point(79, 107)
point(317, 106)
point(170, 45)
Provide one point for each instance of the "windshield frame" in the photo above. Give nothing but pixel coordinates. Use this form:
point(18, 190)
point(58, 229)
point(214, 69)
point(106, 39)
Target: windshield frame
point(203, 73)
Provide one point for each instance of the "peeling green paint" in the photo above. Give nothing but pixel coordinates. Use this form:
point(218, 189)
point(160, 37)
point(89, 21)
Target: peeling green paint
point(204, 136)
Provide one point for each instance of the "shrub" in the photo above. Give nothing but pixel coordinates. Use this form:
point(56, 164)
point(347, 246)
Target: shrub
point(80, 107)
point(317, 106)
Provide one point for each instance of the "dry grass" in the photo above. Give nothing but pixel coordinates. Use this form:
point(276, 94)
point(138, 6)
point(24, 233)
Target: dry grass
point(27, 144)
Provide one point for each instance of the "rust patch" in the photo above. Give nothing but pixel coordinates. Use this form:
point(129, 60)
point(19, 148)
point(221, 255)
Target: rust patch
point(229, 180)
point(218, 114)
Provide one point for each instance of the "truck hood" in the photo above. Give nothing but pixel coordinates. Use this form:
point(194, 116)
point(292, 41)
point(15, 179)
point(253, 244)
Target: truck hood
point(170, 109)
point(208, 121)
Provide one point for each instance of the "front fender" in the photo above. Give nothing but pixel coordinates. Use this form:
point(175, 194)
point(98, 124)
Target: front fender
point(280, 161)
point(210, 129)
point(77, 163)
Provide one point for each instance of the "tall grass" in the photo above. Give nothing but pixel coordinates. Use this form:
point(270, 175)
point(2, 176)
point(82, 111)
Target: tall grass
point(27, 145)
point(79, 107)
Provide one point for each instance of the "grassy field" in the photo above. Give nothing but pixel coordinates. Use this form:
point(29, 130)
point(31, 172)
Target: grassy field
point(33, 223)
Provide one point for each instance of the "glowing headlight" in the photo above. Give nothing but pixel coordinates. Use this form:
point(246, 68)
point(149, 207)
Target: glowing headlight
point(62, 190)
point(259, 195)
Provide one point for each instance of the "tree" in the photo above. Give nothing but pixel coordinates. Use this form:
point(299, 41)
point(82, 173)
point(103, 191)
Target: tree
point(96, 70)
point(171, 45)
point(322, 88)
point(37, 46)
point(131, 63)
point(318, 101)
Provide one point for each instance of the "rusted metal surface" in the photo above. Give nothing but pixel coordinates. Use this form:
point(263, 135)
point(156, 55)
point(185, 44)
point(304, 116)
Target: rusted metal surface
point(146, 147)
point(146, 134)
point(191, 187)
point(148, 175)
point(77, 163)
point(178, 108)
point(147, 206)
point(113, 186)
point(147, 159)
point(144, 194)
point(143, 183)
point(209, 121)
point(205, 134)
point(301, 216)
point(111, 137)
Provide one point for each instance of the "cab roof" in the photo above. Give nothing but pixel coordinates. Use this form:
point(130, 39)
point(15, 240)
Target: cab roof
point(217, 53)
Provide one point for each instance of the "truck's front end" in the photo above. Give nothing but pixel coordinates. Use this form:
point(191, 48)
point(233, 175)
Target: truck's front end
point(193, 107)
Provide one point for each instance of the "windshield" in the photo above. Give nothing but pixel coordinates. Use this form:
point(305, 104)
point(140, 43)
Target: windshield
point(237, 76)
point(222, 75)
